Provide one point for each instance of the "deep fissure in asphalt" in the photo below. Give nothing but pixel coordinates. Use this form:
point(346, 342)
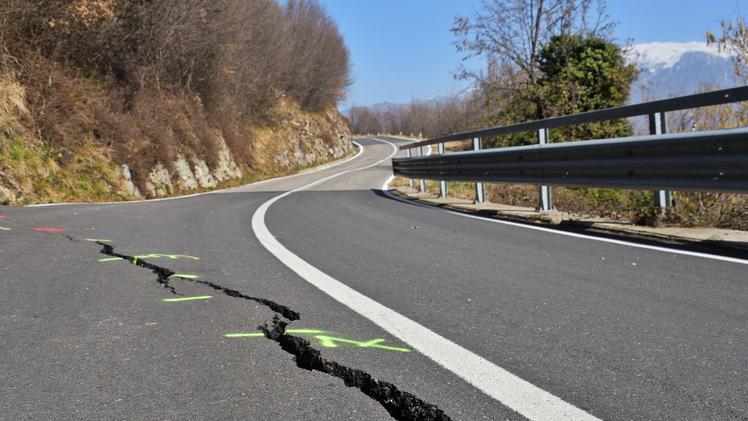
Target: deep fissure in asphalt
point(400, 405)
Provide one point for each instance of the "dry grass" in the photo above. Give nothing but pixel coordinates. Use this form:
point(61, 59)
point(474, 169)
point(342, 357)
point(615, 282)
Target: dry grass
point(12, 101)
point(64, 136)
point(729, 211)
point(141, 129)
point(32, 168)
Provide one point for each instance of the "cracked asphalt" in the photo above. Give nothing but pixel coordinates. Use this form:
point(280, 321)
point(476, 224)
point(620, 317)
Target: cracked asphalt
point(620, 332)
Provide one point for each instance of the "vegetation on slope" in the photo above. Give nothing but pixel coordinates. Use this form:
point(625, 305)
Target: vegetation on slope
point(89, 85)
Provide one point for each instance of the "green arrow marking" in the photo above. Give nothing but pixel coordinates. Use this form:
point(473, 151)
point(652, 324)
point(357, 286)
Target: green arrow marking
point(181, 299)
point(324, 340)
point(330, 342)
point(98, 240)
point(185, 276)
point(110, 259)
point(4, 229)
point(372, 342)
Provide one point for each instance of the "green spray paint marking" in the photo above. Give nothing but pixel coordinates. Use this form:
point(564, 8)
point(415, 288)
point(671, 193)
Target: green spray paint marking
point(98, 240)
point(4, 229)
point(330, 342)
point(324, 340)
point(179, 300)
point(185, 276)
point(307, 331)
point(244, 335)
point(151, 256)
point(170, 256)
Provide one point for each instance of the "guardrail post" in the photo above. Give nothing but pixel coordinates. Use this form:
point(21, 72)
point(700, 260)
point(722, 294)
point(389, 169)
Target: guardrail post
point(480, 193)
point(546, 198)
point(442, 183)
point(662, 198)
point(410, 180)
point(421, 182)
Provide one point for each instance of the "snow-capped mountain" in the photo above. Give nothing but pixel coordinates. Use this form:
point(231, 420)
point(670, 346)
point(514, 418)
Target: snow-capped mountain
point(673, 69)
point(659, 55)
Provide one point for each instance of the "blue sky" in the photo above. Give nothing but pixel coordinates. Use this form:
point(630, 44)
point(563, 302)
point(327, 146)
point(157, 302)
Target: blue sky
point(402, 49)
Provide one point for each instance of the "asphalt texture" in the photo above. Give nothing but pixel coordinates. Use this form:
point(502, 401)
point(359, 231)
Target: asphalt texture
point(620, 332)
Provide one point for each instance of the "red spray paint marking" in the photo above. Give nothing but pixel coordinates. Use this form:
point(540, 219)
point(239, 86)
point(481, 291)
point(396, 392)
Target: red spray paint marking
point(3, 216)
point(43, 229)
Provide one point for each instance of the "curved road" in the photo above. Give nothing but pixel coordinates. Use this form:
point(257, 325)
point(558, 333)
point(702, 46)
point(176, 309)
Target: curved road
point(483, 320)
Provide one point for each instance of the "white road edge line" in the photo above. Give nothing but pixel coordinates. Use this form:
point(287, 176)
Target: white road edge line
point(256, 183)
point(386, 191)
point(515, 393)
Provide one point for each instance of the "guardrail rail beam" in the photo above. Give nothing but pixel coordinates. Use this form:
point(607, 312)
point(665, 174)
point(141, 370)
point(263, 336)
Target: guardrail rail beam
point(713, 161)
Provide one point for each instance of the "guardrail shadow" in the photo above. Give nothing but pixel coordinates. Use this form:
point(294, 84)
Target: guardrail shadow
point(738, 250)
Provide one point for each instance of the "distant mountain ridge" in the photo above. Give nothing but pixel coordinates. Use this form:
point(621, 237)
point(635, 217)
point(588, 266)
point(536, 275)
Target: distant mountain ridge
point(668, 69)
point(462, 95)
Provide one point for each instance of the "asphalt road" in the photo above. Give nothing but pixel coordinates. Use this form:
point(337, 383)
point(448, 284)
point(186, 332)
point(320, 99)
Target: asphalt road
point(412, 296)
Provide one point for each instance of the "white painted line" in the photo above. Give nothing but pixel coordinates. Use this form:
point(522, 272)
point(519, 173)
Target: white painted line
point(256, 183)
point(519, 395)
point(386, 191)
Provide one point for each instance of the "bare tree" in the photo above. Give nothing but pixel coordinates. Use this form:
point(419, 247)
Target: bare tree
point(418, 118)
point(734, 40)
point(509, 34)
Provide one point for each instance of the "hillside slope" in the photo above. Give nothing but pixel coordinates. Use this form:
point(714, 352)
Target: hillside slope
point(185, 155)
point(122, 99)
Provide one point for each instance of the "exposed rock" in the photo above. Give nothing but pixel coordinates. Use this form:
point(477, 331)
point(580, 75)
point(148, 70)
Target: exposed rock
point(226, 167)
point(159, 182)
point(297, 142)
point(203, 175)
point(312, 141)
point(6, 196)
point(10, 190)
point(128, 188)
point(186, 179)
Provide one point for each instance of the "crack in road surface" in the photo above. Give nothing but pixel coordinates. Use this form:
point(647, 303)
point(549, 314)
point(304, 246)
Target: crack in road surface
point(278, 308)
point(163, 274)
point(400, 405)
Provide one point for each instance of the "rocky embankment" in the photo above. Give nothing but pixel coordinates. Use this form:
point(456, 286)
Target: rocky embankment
point(34, 170)
point(298, 141)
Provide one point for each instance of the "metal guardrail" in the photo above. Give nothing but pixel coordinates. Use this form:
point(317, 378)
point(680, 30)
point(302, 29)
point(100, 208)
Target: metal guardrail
point(724, 96)
point(709, 161)
point(598, 162)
